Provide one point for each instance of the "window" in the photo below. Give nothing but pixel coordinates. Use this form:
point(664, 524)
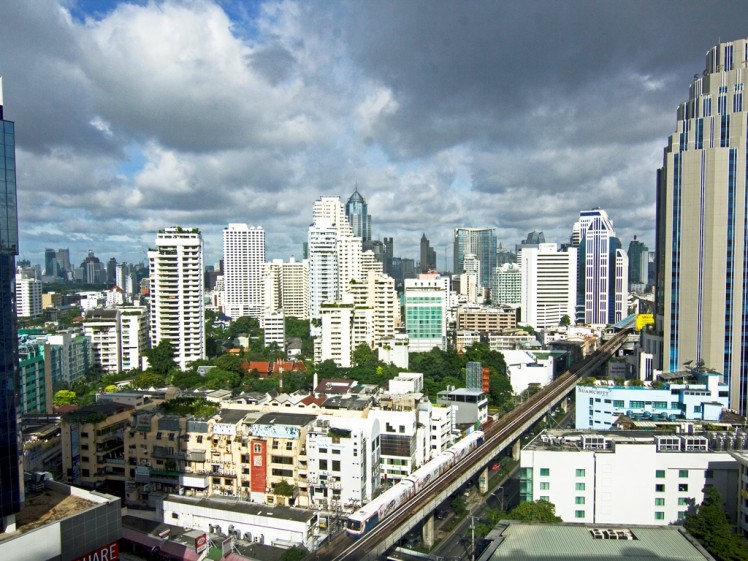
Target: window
point(257, 447)
point(545, 472)
point(323, 465)
point(276, 445)
point(618, 403)
point(578, 514)
point(580, 472)
point(175, 515)
point(682, 501)
point(200, 439)
point(636, 404)
point(682, 515)
point(683, 487)
point(579, 500)
point(580, 486)
point(336, 465)
point(171, 436)
point(682, 473)
point(659, 516)
point(289, 445)
point(660, 474)
point(659, 488)
point(659, 501)
point(545, 498)
point(323, 450)
point(544, 485)
point(708, 474)
point(158, 436)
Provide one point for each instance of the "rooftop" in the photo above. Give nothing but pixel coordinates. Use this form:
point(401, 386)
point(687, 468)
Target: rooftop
point(279, 512)
point(546, 542)
point(294, 419)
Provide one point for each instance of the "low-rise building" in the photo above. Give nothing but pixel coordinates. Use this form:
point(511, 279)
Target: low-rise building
point(471, 405)
point(525, 368)
point(695, 394)
point(625, 477)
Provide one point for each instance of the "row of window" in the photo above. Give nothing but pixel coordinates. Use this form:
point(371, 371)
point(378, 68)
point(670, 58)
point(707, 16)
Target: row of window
point(545, 472)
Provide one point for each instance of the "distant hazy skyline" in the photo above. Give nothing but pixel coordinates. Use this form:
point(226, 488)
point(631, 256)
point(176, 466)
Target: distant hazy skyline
point(515, 115)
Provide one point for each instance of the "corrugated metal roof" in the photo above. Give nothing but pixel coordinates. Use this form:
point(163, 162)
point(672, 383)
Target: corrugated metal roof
point(546, 542)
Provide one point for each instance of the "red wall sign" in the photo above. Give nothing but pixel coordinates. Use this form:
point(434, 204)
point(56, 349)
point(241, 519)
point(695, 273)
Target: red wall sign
point(258, 471)
point(108, 552)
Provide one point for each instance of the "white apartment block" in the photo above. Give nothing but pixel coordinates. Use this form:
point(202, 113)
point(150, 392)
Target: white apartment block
point(549, 285)
point(470, 291)
point(343, 462)
point(394, 350)
point(177, 308)
point(506, 287)
point(369, 262)
point(377, 291)
point(344, 326)
point(102, 327)
point(28, 296)
point(272, 286)
point(274, 329)
point(625, 477)
point(399, 442)
point(426, 312)
point(525, 368)
point(323, 267)
point(295, 289)
point(134, 323)
point(243, 260)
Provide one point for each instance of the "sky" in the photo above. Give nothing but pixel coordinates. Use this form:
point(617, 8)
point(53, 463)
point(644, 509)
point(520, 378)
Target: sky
point(516, 115)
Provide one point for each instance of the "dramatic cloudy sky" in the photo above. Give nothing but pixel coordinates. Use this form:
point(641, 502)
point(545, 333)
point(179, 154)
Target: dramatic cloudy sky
point(132, 116)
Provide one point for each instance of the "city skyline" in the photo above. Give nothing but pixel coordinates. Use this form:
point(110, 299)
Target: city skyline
point(455, 116)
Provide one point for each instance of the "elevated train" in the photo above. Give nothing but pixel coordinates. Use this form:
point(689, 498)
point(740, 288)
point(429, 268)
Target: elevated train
point(385, 504)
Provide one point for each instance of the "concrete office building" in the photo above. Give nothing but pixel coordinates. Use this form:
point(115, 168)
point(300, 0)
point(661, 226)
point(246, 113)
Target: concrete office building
point(28, 296)
point(549, 285)
point(177, 307)
point(702, 257)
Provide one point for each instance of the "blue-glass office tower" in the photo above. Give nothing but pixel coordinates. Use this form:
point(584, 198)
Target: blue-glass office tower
point(10, 486)
point(702, 227)
point(482, 243)
point(357, 213)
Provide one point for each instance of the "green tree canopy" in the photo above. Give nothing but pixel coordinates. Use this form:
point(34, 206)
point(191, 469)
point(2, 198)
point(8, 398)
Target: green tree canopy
point(65, 397)
point(149, 379)
point(293, 554)
point(710, 525)
point(537, 511)
point(161, 357)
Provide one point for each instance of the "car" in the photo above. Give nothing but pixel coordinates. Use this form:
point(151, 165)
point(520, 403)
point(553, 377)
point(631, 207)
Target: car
point(495, 467)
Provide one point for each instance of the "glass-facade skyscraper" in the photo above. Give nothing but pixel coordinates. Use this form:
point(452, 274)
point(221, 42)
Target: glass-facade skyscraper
point(357, 213)
point(10, 485)
point(702, 227)
point(482, 243)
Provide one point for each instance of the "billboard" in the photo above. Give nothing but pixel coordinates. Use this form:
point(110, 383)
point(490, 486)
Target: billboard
point(201, 543)
point(109, 552)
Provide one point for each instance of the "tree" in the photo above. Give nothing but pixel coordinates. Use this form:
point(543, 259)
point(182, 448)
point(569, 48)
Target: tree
point(710, 526)
point(149, 379)
point(111, 388)
point(537, 511)
point(65, 397)
point(293, 554)
point(161, 357)
point(284, 489)
point(565, 321)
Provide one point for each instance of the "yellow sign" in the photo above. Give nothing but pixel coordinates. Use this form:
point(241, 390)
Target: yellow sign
point(644, 319)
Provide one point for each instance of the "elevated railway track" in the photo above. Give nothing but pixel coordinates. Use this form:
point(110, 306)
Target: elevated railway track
point(499, 434)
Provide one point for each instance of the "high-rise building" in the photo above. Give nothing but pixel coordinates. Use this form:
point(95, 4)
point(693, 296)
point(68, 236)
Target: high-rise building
point(10, 482)
point(549, 285)
point(357, 213)
point(426, 301)
point(243, 259)
point(702, 255)
point(482, 243)
point(177, 314)
point(389, 254)
point(506, 287)
point(603, 270)
point(638, 262)
point(28, 296)
point(428, 256)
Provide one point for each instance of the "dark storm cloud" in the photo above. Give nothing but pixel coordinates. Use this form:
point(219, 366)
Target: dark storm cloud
point(515, 115)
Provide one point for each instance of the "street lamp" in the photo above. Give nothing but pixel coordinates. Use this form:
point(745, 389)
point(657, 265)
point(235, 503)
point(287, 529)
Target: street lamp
point(498, 494)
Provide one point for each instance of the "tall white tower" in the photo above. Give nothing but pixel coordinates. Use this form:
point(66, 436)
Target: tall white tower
point(549, 285)
point(243, 260)
point(177, 310)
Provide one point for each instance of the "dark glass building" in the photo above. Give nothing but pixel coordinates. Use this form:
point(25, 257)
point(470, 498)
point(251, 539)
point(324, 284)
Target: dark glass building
point(10, 486)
